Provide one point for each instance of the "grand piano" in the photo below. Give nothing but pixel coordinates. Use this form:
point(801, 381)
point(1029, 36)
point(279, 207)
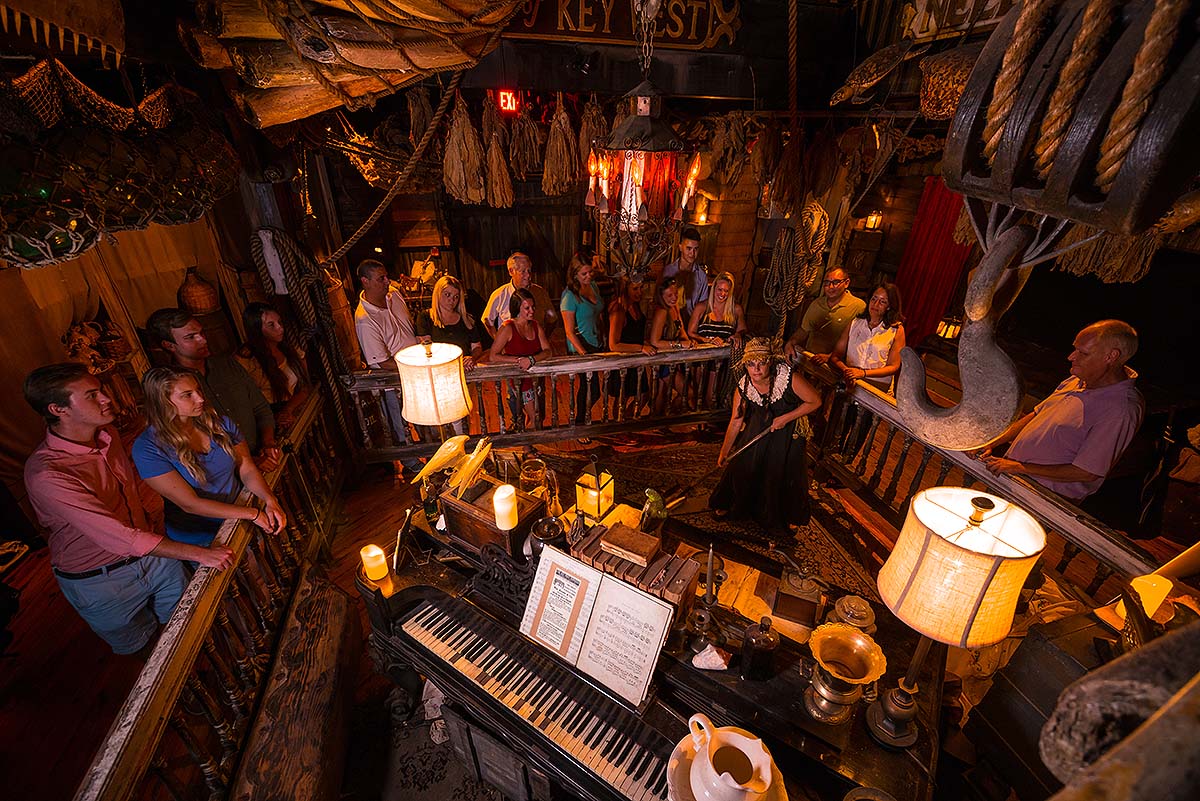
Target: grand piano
point(564, 735)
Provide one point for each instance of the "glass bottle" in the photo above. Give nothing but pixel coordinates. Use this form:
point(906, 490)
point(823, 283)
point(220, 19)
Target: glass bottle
point(758, 650)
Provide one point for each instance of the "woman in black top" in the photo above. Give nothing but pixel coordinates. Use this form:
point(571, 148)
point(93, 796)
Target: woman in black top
point(627, 335)
point(447, 321)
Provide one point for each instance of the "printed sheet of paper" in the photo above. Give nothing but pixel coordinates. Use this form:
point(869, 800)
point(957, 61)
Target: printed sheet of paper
point(624, 637)
point(560, 603)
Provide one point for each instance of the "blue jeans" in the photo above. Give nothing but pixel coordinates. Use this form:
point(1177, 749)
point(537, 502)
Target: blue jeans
point(126, 605)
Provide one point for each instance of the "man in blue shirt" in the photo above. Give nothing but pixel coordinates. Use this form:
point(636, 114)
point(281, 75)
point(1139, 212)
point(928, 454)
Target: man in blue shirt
point(692, 275)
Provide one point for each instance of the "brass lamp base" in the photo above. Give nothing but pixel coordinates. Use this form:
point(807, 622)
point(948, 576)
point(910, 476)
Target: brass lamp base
point(891, 720)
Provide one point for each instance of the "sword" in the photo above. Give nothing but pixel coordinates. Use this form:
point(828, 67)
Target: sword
point(757, 437)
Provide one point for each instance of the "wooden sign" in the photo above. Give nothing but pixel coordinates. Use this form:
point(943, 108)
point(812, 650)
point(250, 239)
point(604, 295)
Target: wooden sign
point(682, 24)
point(934, 19)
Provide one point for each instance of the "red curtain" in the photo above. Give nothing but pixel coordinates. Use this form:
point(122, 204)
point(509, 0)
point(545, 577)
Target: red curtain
point(933, 261)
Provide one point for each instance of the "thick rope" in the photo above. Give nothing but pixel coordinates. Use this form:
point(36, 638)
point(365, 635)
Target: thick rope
point(793, 63)
point(1149, 65)
point(1012, 71)
point(795, 263)
point(1085, 54)
point(402, 178)
point(301, 274)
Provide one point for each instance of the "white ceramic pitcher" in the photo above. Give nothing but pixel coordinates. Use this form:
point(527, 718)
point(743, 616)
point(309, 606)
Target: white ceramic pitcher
point(730, 764)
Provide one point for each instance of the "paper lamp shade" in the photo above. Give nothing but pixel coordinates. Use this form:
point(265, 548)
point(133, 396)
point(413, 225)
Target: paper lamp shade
point(433, 384)
point(952, 580)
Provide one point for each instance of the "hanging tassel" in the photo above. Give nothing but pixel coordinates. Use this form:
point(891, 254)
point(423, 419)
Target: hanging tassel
point(524, 150)
point(463, 163)
point(499, 184)
point(562, 155)
point(592, 128)
point(420, 112)
point(493, 123)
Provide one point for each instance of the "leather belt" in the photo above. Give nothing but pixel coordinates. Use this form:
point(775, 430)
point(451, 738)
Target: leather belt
point(98, 571)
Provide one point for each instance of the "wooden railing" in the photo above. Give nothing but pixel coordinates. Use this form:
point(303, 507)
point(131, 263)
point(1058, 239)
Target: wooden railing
point(867, 447)
point(619, 393)
point(179, 733)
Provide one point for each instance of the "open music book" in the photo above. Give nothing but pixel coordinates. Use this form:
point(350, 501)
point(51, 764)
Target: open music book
point(608, 629)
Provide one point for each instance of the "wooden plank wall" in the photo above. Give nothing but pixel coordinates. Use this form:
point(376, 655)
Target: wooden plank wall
point(737, 212)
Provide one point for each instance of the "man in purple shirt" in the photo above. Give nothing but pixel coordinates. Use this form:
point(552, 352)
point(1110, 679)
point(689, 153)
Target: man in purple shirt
point(1070, 441)
point(102, 521)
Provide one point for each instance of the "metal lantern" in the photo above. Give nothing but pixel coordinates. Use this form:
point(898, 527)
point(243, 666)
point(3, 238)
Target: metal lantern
point(594, 493)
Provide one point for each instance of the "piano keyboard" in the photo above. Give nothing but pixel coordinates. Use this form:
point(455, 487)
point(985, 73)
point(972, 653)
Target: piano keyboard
point(604, 736)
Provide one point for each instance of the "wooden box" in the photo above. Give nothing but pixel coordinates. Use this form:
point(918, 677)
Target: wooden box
point(471, 519)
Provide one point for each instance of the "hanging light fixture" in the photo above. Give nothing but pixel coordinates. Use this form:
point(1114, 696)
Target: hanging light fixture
point(634, 193)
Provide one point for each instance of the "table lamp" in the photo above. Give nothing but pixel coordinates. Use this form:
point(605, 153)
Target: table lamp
point(594, 493)
point(433, 384)
point(954, 576)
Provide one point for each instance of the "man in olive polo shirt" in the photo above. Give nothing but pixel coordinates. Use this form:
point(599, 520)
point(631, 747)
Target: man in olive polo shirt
point(826, 317)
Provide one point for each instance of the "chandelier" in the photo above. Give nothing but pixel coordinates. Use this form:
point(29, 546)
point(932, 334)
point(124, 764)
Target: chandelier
point(635, 192)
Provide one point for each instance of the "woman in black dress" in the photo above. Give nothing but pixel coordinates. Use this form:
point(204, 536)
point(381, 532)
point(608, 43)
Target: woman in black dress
point(769, 480)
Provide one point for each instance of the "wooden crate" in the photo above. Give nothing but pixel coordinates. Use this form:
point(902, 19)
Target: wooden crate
point(471, 519)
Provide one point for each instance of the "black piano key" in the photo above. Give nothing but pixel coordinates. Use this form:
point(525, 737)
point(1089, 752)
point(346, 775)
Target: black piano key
point(623, 750)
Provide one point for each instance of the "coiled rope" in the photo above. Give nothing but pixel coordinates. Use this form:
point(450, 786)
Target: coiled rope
point(795, 262)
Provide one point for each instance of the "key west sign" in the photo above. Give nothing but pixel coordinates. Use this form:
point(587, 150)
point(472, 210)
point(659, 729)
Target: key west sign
point(682, 24)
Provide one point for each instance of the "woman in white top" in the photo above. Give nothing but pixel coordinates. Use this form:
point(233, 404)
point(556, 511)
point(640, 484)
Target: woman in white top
point(870, 346)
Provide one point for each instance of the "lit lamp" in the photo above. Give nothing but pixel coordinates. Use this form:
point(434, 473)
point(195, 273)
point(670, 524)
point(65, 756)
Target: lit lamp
point(593, 493)
point(633, 191)
point(954, 576)
point(874, 220)
point(950, 328)
point(433, 384)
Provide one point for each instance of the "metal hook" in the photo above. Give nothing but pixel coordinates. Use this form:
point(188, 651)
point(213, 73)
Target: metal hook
point(991, 386)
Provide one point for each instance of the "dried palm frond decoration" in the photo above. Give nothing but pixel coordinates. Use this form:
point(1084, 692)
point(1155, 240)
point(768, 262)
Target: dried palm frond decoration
point(820, 162)
point(562, 155)
point(499, 184)
point(493, 123)
point(592, 127)
point(729, 147)
point(420, 112)
point(1113, 258)
point(462, 166)
point(525, 149)
point(789, 176)
point(767, 150)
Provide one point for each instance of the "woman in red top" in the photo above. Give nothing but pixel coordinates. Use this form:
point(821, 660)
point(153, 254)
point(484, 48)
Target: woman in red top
point(521, 341)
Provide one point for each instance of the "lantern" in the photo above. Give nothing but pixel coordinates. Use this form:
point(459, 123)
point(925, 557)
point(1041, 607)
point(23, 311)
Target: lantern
point(594, 493)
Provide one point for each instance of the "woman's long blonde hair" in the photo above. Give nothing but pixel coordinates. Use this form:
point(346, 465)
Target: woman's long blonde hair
point(728, 314)
point(435, 313)
point(158, 384)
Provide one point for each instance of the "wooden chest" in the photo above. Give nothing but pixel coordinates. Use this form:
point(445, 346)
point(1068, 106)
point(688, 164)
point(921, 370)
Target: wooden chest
point(471, 519)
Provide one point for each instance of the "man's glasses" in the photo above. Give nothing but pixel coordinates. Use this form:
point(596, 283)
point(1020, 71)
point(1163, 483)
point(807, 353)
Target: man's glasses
point(836, 281)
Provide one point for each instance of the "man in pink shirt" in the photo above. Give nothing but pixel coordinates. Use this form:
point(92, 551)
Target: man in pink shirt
point(1070, 441)
point(122, 576)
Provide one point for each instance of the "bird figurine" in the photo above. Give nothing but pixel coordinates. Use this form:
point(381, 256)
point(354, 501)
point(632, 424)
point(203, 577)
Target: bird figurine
point(654, 511)
point(446, 457)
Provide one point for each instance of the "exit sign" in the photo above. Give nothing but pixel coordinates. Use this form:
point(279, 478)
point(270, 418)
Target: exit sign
point(507, 100)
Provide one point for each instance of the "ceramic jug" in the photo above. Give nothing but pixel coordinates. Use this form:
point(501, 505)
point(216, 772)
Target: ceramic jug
point(730, 764)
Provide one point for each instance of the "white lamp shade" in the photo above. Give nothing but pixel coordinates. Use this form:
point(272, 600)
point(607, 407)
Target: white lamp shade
point(956, 582)
point(433, 384)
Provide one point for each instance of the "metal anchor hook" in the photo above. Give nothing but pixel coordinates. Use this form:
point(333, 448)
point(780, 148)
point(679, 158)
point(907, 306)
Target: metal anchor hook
point(991, 386)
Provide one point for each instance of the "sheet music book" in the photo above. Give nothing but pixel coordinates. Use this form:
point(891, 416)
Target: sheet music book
point(610, 630)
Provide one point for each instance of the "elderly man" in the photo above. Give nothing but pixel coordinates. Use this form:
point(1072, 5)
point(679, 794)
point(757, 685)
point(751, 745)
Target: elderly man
point(692, 275)
point(1070, 440)
point(103, 523)
point(223, 381)
point(826, 317)
point(520, 271)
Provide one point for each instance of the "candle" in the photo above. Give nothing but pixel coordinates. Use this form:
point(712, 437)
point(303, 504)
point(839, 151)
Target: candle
point(708, 579)
point(504, 501)
point(374, 562)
